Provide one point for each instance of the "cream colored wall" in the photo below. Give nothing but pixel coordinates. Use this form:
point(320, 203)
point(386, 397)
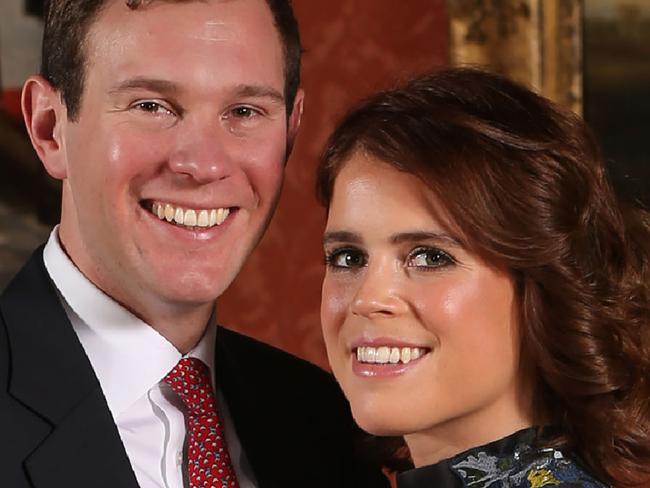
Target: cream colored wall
point(20, 43)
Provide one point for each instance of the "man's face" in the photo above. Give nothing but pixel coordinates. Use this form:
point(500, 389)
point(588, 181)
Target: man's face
point(182, 118)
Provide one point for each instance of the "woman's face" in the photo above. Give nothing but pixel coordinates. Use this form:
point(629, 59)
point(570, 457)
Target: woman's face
point(421, 334)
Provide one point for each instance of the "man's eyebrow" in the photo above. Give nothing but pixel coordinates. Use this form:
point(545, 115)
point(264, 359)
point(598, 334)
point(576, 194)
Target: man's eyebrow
point(341, 236)
point(166, 86)
point(259, 91)
point(151, 84)
point(416, 236)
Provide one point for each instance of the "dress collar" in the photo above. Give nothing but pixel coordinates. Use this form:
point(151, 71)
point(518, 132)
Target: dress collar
point(483, 461)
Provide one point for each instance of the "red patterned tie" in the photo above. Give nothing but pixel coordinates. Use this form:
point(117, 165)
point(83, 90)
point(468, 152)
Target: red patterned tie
point(208, 461)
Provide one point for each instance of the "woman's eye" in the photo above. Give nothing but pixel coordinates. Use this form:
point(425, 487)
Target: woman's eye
point(429, 258)
point(345, 259)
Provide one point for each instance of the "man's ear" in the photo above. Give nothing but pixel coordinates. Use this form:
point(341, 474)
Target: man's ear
point(45, 113)
point(294, 119)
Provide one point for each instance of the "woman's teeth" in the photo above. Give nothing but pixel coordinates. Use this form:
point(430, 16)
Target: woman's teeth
point(392, 355)
point(190, 217)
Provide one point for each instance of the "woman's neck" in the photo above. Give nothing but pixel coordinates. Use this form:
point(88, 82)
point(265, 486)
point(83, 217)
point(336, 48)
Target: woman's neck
point(472, 429)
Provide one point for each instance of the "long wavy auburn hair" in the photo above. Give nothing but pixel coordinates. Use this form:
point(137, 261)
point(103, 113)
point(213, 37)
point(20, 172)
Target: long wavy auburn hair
point(525, 187)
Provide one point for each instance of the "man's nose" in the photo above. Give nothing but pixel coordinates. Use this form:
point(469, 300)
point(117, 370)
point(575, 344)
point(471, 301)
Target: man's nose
point(203, 152)
point(379, 293)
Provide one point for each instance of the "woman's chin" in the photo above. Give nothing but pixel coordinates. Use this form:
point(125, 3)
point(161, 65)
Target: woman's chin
point(380, 424)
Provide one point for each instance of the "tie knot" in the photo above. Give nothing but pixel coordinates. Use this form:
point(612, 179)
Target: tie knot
point(190, 380)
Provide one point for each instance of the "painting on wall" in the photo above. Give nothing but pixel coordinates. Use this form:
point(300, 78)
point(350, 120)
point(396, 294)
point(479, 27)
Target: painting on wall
point(535, 42)
point(591, 56)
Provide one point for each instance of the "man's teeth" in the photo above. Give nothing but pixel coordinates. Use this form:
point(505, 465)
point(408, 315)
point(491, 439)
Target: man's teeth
point(392, 355)
point(190, 217)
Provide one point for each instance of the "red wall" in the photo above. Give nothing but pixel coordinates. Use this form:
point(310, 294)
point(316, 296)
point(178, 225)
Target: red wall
point(10, 103)
point(353, 48)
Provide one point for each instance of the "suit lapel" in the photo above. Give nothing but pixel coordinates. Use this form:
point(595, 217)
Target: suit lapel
point(52, 377)
point(252, 433)
point(83, 450)
point(283, 448)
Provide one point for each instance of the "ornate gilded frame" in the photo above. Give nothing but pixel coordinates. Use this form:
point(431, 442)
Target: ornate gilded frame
point(536, 42)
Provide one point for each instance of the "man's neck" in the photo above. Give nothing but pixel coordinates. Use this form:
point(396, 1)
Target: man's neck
point(183, 328)
point(182, 324)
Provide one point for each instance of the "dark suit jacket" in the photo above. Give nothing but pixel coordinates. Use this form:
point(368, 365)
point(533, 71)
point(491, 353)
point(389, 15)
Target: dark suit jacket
point(56, 430)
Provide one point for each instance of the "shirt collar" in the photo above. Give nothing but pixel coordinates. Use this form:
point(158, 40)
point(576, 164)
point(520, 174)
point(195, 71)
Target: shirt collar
point(129, 357)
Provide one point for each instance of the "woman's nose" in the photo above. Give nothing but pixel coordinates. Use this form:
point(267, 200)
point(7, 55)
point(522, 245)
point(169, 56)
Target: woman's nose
point(378, 294)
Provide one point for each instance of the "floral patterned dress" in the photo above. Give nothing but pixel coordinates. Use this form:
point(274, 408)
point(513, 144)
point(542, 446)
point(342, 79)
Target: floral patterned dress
point(511, 462)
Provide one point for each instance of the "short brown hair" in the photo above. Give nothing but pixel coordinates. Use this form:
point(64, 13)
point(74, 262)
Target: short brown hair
point(524, 183)
point(67, 23)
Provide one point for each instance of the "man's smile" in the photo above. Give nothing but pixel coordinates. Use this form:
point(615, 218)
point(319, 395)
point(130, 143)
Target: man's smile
point(188, 217)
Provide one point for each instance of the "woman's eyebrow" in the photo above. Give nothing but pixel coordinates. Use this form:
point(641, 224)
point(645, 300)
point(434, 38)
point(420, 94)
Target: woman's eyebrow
point(416, 236)
point(341, 236)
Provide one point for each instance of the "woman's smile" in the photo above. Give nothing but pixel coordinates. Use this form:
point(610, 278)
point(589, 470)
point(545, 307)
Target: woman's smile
point(419, 331)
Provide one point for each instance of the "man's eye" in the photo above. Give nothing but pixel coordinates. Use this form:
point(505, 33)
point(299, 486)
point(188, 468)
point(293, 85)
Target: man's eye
point(153, 108)
point(429, 258)
point(244, 112)
point(345, 258)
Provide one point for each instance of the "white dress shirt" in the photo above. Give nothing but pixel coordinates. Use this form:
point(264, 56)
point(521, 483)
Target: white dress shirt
point(130, 360)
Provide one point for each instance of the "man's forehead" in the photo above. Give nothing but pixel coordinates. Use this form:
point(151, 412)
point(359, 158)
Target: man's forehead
point(213, 20)
point(213, 30)
point(190, 46)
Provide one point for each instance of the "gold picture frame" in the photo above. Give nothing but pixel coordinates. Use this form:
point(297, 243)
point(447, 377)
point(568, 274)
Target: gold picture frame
point(536, 42)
